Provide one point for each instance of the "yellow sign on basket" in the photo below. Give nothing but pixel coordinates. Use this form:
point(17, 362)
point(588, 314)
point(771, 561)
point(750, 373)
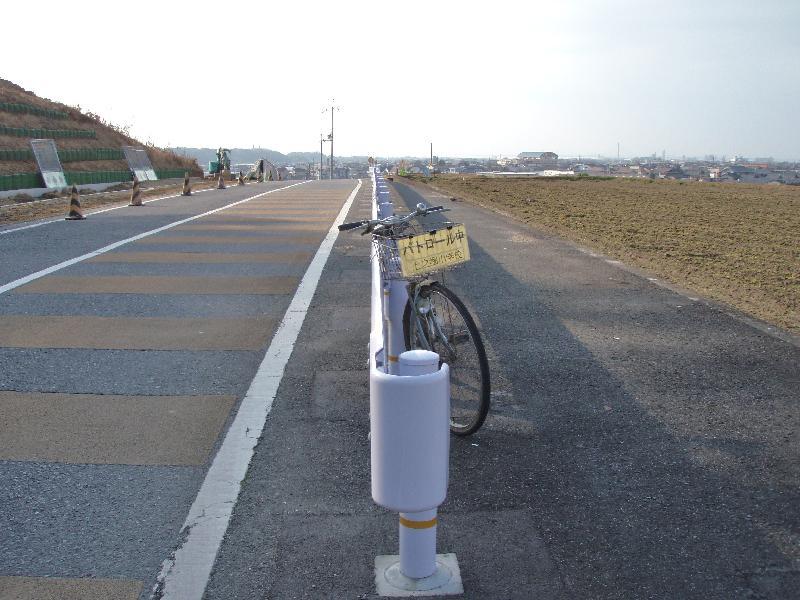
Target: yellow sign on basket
point(434, 251)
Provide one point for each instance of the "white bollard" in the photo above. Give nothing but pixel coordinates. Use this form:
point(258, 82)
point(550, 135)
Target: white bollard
point(396, 296)
point(418, 544)
point(418, 529)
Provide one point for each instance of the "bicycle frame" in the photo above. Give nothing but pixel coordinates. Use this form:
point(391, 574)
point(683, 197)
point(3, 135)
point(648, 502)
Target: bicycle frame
point(434, 330)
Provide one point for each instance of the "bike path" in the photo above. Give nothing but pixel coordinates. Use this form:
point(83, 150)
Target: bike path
point(120, 374)
point(639, 445)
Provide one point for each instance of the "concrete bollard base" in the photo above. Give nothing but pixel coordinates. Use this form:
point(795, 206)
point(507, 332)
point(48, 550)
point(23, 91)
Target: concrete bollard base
point(390, 581)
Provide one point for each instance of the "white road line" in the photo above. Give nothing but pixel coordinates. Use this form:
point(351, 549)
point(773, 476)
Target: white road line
point(104, 210)
point(67, 263)
point(185, 575)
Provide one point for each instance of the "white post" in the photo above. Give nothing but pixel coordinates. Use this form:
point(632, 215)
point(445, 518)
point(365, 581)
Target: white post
point(396, 297)
point(418, 529)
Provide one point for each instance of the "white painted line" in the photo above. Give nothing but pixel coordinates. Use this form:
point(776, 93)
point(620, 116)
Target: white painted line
point(104, 210)
point(67, 263)
point(184, 576)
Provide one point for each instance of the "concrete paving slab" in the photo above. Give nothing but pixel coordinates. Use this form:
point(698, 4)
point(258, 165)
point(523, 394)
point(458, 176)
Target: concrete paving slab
point(146, 333)
point(57, 588)
point(100, 429)
point(139, 284)
point(390, 581)
point(203, 257)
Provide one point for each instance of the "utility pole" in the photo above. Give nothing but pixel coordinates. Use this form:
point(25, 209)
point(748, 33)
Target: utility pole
point(321, 139)
point(433, 171)
point(333, 109)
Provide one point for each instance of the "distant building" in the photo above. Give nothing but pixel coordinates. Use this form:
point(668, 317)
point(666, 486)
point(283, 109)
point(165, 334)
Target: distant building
point(676, 173)
point(538, 156)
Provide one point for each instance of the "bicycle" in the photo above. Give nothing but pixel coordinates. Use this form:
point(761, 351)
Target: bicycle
point(435, 318)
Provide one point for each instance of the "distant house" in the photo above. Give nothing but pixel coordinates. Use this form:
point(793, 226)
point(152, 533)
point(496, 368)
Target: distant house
point(537, 156)
point(676, 173)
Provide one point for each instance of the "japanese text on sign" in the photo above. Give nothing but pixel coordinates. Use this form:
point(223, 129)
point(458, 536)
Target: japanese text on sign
point(433, 251)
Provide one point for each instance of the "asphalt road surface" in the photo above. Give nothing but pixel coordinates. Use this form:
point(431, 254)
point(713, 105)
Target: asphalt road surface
point(640, 444)
point(120, 373)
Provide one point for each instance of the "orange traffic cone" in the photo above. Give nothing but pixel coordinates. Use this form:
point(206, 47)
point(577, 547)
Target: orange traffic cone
point(136, 193)
point(187, 188)
point(75, 212)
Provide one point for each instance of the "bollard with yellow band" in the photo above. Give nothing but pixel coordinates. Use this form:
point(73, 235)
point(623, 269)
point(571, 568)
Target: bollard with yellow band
point(410, 444)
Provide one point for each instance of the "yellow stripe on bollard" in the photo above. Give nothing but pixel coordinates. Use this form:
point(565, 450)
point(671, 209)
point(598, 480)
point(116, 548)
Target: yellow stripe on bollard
point(417, 524)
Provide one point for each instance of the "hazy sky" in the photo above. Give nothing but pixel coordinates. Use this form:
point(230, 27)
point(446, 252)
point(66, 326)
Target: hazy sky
point(476, 79)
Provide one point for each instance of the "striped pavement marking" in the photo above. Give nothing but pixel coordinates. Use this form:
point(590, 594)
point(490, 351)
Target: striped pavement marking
point(110, 430)
point(202, 257)
point(59, 588)
point(135, 333)
point(232, 239)
point(68, 263)
point(266, 227)
point(160, 284)
point(269, 218)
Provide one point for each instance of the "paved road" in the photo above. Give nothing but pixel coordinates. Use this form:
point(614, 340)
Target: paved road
point(119, 374)
point(640, 444)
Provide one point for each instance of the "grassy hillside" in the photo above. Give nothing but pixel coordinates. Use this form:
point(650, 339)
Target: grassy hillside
point(736, 243)
point(31, 112)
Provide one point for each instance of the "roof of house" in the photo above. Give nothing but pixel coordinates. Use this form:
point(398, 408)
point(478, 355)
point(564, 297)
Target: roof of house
point(534, 154)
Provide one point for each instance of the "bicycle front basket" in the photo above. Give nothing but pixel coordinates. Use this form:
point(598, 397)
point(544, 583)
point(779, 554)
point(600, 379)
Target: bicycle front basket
point(388, 257)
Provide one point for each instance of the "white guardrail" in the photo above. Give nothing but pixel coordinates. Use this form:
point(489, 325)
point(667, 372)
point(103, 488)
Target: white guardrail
point(410, 438)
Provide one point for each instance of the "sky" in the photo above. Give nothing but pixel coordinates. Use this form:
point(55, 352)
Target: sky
point(475, 79)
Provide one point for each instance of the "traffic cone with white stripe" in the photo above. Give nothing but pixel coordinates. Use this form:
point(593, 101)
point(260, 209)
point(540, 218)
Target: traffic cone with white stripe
point(75, 211)
point(136, 193)
point(241, 178)
point(221, 184)
point(187, 188)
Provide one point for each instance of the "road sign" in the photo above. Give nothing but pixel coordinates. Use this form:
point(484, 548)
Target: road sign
point(139, 163)
point(49, 164)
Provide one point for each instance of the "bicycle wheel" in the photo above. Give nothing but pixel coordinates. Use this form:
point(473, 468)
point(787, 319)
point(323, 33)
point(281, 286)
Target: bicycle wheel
point(451, 332)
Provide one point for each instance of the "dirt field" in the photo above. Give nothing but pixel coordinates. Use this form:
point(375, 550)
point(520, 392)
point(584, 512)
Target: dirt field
point(736, 243)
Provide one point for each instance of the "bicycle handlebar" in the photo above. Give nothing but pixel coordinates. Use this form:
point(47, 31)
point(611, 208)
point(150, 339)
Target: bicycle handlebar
point(393, 220)
point(353, 225)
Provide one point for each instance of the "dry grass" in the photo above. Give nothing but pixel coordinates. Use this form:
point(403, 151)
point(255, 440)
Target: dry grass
point(107, 136)
point(736, 243)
